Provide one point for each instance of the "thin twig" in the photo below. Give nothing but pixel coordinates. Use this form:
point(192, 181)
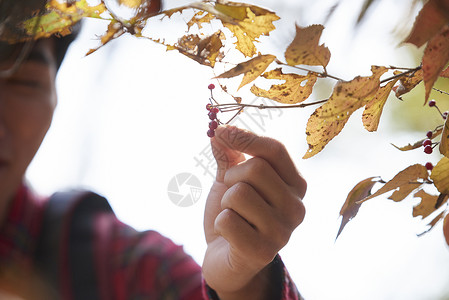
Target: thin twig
point(401, 74)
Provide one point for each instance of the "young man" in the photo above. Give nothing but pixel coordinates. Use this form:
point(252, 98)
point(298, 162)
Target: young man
point(73, 247)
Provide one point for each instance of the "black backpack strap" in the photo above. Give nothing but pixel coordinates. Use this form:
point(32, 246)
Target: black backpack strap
point(65, 252)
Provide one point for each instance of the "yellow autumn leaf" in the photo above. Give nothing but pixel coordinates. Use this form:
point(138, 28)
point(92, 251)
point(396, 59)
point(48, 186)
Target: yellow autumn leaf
point(295, 89)
point(131, 3)
point(444, 143)
point(251, 68)
point(403, 183)
point(373, 110)
point(248, 30)
point(407, 82)
point(305, 48)
point(350, 208)
point(60, 17)
point(199, 18)
point(440, 175)
point(349, 96)
point(320, 131)
point(115, 29)
point(328, 120)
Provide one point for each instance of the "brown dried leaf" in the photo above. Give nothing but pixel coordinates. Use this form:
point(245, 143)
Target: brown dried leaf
point(251, 68)
point(403, 183)
point(295, 89)
point(440, 175)
point(432, 17)
point(205, 50)
point(444, 143)
point(373, 110)
point(435, 58)
point(433, 222)
point(419, 143)
point(350, 208)
point(305, 48)
point(408, 82)
point(426, 206)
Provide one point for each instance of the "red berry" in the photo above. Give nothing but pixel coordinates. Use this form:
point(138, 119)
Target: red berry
point(428, 149)
point(211, 133)
point(432, 103)
point(429, 166)
point(213, 125)
point(429, 134)
point(445, 115)
point(208, 106)
point(427, 142)
point(215, 110)
point(212, 115)
point(211, 86)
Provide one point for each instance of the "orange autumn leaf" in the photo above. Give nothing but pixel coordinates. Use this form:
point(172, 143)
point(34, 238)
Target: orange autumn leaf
point(199, 18)
point(444, 142)
point(407, 82)
point(373, 110)
point(440, 175)
point(295, 89)
point(431, 18)
point(435, 58)
point(426, 206)
point(350, 208)
point(251, 68)
point(403, 183)
point(305, 48)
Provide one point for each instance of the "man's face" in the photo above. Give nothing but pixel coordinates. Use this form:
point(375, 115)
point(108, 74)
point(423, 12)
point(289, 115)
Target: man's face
point(27, 102)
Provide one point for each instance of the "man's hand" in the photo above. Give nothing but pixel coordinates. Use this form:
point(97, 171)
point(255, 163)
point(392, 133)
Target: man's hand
point(252, 209)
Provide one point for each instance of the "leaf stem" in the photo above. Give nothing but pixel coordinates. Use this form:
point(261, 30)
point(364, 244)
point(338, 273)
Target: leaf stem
point(262, 106)
point(401, 74)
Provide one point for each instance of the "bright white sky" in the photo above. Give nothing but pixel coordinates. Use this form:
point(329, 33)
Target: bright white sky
point(132, 116)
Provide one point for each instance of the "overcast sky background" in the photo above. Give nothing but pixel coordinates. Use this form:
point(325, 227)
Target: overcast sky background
point(132, 116)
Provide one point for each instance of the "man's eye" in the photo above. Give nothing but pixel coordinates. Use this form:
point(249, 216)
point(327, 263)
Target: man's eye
point(24, 82)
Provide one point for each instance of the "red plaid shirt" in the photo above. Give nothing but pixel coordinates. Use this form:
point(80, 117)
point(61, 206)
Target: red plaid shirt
point(121, 263)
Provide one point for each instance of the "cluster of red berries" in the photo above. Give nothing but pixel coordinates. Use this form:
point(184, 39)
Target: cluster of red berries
point(427, 143)
point(213, 111)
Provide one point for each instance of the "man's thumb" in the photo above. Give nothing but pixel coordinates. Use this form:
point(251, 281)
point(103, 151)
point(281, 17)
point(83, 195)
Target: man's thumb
point(223, 148)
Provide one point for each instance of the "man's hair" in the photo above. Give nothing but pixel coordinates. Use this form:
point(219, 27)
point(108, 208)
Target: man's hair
point(62, 44)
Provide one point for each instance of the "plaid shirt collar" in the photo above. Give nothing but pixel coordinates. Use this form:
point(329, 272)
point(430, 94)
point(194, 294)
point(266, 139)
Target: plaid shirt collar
point(20, 229)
